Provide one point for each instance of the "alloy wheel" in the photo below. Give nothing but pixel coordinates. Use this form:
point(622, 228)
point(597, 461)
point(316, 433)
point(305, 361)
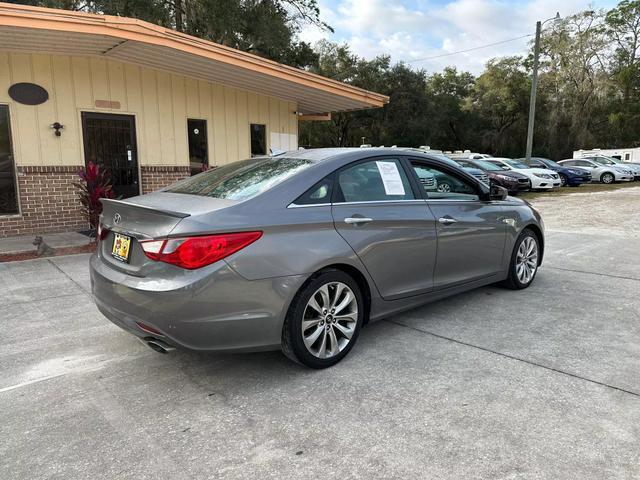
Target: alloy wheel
point(527, 260)
point(329, 320)
point(607, 178)
point(444, 188)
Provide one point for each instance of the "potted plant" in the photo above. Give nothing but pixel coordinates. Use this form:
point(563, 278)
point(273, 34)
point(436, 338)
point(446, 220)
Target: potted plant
point(95, 184)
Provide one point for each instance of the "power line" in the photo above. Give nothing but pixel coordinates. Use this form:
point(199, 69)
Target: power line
point(470, 49)
point(479, 47)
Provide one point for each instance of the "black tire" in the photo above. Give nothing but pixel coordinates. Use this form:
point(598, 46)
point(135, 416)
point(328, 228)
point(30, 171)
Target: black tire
point(563, 180)
point(292, 342)
point(607, 178)
point(512, 281)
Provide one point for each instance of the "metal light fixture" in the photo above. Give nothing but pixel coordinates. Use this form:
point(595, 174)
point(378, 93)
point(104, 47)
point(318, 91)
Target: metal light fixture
point(57, 126)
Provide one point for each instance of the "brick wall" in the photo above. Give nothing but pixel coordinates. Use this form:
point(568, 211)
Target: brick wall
point(48, 202)
point(155, 177)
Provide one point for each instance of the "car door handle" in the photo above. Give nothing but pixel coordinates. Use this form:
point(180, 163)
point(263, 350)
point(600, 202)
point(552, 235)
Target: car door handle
point(357, 220)
point(447, 220)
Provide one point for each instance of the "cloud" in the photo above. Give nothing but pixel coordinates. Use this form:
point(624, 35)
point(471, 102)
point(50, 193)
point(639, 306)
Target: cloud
point(410, 30)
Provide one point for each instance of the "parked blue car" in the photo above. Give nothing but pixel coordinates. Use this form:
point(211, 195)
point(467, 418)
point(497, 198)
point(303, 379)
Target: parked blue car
point(572, 177)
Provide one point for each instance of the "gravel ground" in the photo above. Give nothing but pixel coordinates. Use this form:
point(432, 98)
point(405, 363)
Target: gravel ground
point(614, 211)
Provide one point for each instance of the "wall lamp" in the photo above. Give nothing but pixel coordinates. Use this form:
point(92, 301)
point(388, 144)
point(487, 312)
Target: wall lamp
point(57, 126)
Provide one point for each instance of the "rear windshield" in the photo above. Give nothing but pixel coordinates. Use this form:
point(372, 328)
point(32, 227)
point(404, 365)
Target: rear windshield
point(241, 180)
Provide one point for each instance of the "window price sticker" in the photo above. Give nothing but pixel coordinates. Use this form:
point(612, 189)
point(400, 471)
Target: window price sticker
point(390, 178)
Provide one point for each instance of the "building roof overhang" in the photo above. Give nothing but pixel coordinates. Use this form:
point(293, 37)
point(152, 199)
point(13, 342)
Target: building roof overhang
point(46, 30)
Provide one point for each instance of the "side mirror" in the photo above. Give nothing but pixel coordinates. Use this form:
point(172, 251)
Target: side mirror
point(497, 193)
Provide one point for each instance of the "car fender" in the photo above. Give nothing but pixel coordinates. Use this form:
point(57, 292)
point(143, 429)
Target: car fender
point(523, 216)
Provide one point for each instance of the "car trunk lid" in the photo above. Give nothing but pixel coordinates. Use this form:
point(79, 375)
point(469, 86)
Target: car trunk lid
point(147, 217)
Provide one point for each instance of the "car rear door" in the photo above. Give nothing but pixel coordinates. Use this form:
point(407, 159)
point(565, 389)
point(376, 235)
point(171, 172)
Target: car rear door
point(471, 230)
point(376, 210)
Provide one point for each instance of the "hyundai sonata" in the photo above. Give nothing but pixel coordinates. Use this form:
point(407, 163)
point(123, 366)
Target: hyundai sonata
point(299, 251)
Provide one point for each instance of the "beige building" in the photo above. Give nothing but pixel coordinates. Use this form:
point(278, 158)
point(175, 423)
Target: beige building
point(149, 104)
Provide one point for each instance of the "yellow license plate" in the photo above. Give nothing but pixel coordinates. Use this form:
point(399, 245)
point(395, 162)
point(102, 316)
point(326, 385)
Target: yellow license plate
point(121, 245)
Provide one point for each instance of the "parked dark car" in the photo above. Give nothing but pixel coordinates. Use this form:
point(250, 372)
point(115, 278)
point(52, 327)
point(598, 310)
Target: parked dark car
point(443, 183)
point(569, 177)
point(514, 182)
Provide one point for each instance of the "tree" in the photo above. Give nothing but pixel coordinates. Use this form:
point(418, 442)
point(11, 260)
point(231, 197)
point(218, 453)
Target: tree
point(451, 127)
point(574, 81)
point(622, 24)
point(267, 28)
point(500, 98)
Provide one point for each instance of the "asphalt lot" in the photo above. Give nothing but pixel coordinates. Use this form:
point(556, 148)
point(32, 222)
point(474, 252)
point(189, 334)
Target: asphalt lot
point(542, 383)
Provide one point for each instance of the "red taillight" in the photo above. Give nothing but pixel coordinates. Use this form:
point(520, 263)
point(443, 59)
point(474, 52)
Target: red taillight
point(196, 252)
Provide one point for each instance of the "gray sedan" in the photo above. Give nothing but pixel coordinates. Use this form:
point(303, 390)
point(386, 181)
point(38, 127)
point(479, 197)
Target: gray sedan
point(299, 251)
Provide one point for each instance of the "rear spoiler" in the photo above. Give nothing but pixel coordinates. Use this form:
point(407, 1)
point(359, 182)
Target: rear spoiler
point(170, 213)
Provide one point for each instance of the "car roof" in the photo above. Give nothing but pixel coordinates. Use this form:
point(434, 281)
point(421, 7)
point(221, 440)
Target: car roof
point(319, 154)
point(342, 154)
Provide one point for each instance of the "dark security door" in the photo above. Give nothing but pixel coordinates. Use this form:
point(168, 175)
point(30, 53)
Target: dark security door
point(198, 149)
point(8, 193)
point(110, 141)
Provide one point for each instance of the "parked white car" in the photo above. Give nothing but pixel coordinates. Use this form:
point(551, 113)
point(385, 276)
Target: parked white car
point(541, 178)
point(601, 171)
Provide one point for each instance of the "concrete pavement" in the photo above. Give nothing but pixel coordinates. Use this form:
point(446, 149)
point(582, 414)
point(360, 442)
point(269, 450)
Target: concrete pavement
point(541, 383)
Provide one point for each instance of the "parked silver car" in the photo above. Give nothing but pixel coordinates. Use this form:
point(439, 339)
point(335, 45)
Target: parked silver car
point(600, 172)
point(604, 160)
point(299, 251)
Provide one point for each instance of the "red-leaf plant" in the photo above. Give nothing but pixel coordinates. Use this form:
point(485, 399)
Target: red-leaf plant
point(95, 184)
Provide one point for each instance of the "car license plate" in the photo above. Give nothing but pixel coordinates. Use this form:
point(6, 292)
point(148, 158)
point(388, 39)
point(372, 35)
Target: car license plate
point(121, 246)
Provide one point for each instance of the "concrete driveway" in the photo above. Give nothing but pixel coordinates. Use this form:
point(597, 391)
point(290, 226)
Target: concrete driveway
point(542, 383)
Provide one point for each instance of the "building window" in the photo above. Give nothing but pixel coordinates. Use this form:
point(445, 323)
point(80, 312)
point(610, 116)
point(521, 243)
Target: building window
point(8, 191)
point(198, 147)
point(258, 139)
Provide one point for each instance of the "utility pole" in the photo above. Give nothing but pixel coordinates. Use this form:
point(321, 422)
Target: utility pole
point(534, 88)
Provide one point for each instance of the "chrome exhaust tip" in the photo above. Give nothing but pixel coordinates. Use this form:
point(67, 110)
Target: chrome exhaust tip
point(159, 346)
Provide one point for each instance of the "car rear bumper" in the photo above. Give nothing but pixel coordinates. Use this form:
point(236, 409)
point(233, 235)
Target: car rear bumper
point(219, 311)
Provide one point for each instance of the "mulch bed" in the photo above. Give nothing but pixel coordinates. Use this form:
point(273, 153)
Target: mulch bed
point(16, 257)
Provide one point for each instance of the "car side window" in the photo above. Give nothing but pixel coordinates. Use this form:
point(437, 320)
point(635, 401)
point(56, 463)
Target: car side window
point(319, 194)
point(441, 185)
point(375, 180)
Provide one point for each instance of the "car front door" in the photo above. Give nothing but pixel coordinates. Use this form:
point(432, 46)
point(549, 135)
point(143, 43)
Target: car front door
point(377, 212)
point(471, 229)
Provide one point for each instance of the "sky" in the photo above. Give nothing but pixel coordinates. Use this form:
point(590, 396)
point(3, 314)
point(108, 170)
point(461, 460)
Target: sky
point(412, 30)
